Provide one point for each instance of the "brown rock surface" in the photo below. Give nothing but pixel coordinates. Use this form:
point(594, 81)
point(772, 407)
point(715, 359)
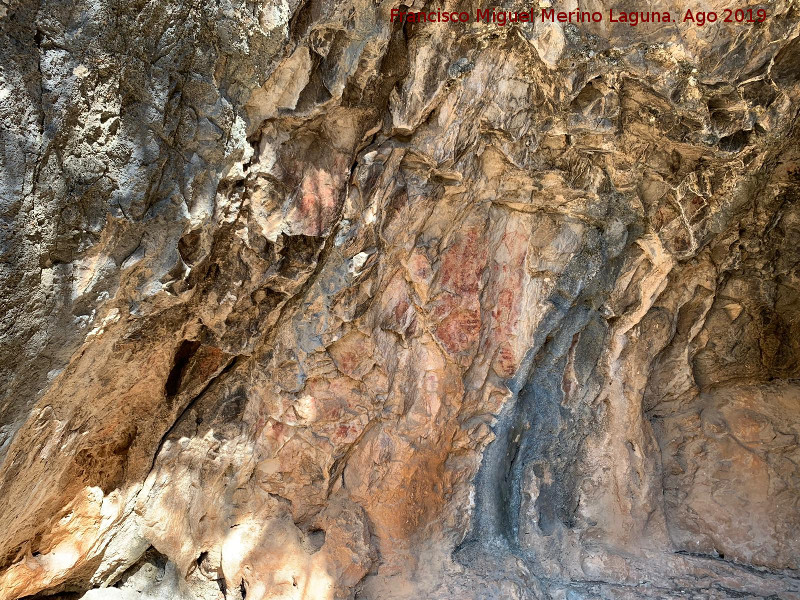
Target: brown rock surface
point(298, 303)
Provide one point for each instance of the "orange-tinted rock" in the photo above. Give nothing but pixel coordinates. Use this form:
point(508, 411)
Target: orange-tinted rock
point(301, 303)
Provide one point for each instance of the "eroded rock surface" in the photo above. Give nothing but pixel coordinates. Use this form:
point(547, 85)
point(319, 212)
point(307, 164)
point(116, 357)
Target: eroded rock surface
point(299, 303)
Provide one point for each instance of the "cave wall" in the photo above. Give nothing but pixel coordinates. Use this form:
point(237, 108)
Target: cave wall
point(301, 303)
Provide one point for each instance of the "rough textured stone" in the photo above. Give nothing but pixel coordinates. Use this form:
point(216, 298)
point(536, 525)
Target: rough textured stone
point(299, 303)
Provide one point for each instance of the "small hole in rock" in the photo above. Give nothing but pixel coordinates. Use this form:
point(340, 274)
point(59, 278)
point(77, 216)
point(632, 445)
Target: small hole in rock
point(734, 142)
point(315, 539)
point(182, 357)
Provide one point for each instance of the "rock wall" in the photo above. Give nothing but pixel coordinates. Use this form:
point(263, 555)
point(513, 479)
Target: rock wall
point(302, 303)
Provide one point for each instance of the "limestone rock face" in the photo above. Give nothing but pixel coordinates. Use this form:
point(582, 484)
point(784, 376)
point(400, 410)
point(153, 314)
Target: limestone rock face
point(301, 303)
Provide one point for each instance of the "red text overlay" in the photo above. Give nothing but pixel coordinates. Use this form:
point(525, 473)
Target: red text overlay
point(551, 15)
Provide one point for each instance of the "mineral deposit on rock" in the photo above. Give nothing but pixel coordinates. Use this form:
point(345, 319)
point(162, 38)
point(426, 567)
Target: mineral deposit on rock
point(301, 301)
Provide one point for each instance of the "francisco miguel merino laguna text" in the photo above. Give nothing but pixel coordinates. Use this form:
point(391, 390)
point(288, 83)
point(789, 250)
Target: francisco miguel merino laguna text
point(633, 18)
